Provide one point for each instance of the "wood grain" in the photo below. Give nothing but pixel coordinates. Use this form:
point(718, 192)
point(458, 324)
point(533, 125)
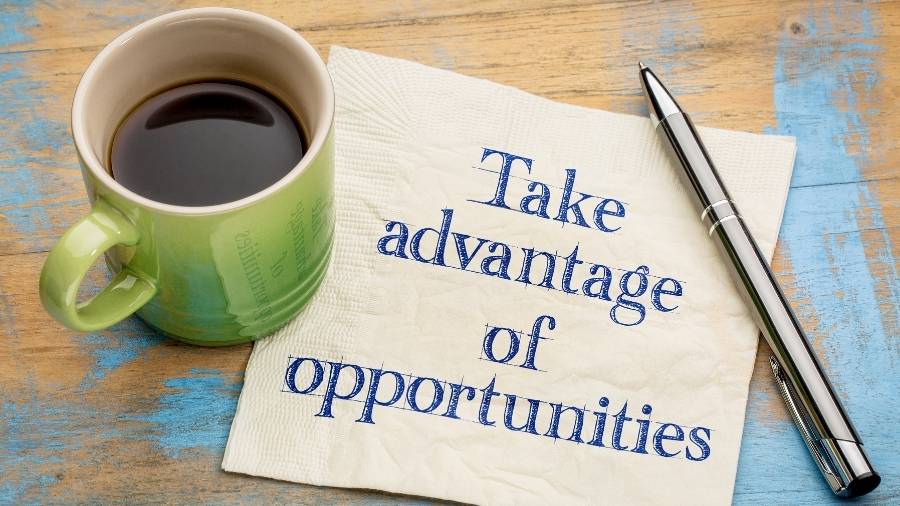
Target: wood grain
point(124, 415)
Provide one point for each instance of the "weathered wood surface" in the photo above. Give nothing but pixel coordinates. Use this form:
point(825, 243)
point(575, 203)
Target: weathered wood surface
point(125, 415)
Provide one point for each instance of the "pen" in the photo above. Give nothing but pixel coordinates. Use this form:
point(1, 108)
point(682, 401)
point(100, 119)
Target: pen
point(830, 437)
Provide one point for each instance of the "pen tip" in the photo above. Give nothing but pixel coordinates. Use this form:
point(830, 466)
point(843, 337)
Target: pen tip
point(641, 65)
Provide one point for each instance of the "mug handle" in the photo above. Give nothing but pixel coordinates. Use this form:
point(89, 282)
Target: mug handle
point(71, 258)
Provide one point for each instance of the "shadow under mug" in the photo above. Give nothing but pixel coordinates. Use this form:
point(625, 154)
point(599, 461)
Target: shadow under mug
point(212, 275)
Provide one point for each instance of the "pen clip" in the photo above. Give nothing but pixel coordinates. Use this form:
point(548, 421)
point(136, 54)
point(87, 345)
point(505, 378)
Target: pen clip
point(810, 436)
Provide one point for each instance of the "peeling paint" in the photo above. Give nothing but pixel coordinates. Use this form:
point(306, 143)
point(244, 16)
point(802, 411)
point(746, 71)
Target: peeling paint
point(113, 349)
point(824, 81)
point(195, 412)
point(29, 185)
point(15, 21)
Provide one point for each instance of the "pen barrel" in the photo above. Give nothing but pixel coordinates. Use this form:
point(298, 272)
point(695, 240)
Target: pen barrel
point(769, 307)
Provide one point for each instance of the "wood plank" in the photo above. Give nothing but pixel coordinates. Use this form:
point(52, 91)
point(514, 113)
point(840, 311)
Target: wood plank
point(125, 415)
point(37, 160)
point(39, 26)
point(835, 254)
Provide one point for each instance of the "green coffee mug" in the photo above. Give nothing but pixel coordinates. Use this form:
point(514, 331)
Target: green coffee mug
point(213, 275)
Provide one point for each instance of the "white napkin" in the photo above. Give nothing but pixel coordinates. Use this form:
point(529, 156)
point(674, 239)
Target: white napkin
point(435, 338)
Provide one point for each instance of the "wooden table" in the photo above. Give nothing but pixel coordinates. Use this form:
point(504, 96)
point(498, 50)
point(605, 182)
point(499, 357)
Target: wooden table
point(124, 415)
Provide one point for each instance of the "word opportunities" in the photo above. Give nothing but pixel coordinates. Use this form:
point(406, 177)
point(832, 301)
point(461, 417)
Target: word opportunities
point(630, 290)
point(602, 427)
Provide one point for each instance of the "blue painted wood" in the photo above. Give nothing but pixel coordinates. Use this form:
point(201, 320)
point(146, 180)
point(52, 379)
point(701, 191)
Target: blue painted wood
point(822, 85)
point(124, 414)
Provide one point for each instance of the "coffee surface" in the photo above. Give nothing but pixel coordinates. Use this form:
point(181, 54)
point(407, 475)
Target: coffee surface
point(206, 143)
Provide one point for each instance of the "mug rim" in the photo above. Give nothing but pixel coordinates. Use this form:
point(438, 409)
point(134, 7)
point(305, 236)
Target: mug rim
point(318, 133)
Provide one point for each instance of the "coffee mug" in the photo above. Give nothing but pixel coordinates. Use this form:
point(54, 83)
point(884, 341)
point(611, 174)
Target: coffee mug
point(213, 275)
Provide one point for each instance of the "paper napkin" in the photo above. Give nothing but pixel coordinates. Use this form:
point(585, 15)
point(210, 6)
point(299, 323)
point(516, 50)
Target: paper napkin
point(522, 307)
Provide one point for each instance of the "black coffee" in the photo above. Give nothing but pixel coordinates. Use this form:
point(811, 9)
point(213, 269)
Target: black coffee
point(206, 143)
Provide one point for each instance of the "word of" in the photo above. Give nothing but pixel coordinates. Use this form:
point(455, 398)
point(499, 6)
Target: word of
point(513, 349)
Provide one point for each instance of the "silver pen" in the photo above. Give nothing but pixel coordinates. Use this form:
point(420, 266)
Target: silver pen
point(833, 442)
